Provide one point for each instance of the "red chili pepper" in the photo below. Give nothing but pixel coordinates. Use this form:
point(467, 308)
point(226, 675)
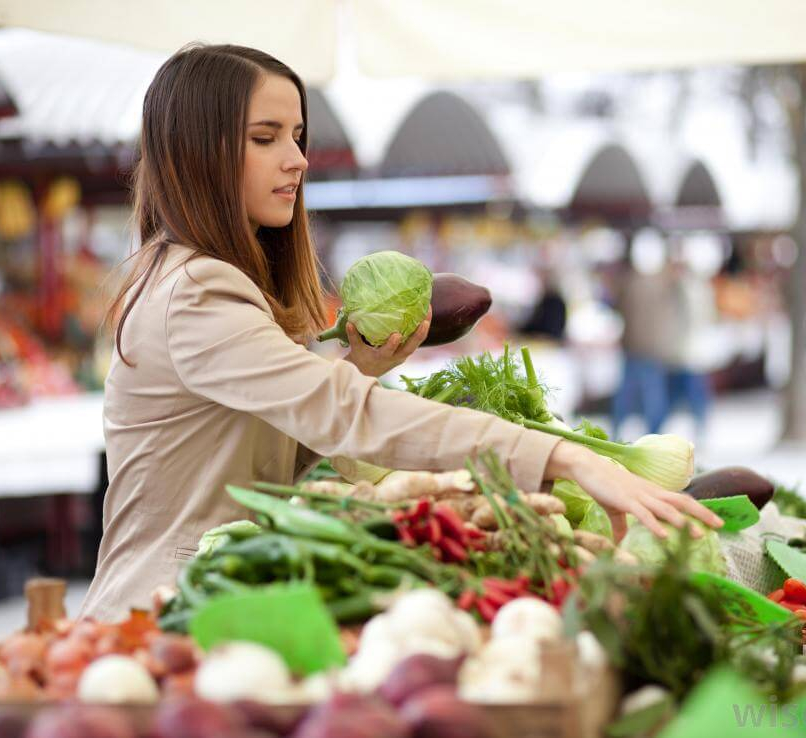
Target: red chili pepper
point(486, 609)
point(398, 516)
point(451, 523)
point(421, 532)
point(791, 605)
point(777, 595)
point(496, 597)
point(406, 538)
point(524, 580)
point(453, 549)
point(795, 590)
point(559, 591)
point(471, 532)
point(422, 508)
point(505, 586)
point(466, 600)
point(477, 545)
point(434, 530)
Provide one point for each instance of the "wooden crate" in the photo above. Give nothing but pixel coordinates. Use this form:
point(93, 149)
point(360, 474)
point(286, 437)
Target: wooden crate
point(576, 701)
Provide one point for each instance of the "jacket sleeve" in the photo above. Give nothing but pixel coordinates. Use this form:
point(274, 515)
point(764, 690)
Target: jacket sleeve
point(305, 461)
point(227, 348)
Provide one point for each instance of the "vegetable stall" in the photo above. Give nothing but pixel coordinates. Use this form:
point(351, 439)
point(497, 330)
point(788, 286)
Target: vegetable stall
point(378, 602)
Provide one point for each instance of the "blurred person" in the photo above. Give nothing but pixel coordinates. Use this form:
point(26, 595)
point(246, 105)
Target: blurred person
point(693, 350)
point(211, 381)
point(647, 302)
point(548, 317)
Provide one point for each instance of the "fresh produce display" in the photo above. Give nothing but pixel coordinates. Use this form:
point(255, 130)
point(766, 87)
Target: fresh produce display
point(660, 626)
point(132, 661)
point(464, 605)
point(482, 537)
point(792, 596)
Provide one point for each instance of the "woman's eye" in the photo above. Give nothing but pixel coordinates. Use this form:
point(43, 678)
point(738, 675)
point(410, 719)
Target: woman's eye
point(263, 141)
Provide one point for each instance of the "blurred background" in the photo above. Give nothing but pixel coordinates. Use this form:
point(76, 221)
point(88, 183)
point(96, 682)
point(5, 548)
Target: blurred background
point(633, 202)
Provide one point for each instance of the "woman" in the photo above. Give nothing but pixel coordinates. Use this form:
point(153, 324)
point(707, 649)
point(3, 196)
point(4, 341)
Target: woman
point(211, 383)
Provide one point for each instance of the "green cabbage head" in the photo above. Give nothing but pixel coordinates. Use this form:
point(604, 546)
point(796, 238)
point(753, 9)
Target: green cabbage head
point(581, 510)
point(384, 293)
point(704, 554)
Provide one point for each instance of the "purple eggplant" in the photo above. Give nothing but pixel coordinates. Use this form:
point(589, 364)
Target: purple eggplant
point(457, 305)
point(729, 482)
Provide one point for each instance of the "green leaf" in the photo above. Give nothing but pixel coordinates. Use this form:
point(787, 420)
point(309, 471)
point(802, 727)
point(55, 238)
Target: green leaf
point(726, 705)
point(792, 561)
point(291, 619)
point(740, 601)
point(591, 429)
point(737, 512)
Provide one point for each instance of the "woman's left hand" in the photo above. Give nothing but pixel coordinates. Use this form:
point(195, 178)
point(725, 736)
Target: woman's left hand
point(375, 362)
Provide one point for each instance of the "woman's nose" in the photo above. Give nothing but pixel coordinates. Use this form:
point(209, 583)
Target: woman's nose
point(296, 160)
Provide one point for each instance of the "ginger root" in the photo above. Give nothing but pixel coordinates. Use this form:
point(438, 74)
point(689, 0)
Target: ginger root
point(409, 485)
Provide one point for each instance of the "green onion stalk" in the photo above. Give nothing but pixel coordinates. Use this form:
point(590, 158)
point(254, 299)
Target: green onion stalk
point(497, 387)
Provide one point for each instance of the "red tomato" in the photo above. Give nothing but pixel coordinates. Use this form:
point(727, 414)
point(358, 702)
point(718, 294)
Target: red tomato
point(795, 591)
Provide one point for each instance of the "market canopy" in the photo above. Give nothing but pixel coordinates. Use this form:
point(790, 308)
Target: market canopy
point(448, 39)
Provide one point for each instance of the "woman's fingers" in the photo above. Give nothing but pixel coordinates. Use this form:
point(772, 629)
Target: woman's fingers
point(416, 338)
point(664, 510)
point(391, 346)
point(618, 522)
point(353, 338)
point(690, 506)
point(648, 519)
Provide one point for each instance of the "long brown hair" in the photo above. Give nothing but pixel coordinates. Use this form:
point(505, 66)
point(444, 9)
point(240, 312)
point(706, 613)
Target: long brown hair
point(188, 185)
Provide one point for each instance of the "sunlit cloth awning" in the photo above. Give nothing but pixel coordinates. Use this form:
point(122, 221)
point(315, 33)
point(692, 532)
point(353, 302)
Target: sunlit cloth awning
point(448, 39)
point(460, 39)
point(301, 33)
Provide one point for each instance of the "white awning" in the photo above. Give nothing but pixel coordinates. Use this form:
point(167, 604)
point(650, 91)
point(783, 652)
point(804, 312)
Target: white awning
point(448, 39)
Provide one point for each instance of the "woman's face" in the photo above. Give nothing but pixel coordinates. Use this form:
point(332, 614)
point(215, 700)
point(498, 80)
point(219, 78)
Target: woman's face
point(273, 163)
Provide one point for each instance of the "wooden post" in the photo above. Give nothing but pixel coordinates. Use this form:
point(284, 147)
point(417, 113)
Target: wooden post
point(45, 601)
point(795, 398)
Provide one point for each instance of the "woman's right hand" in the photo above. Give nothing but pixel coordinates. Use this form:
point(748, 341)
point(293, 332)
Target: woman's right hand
point(620, 492)
point(375, 362)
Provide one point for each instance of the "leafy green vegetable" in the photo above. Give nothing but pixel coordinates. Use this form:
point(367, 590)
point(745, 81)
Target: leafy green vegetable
point(591, 430)
point(323, 470)
point(384, 293)
point(581, 510)
point(498, 386)
point(789, 501)
point(576, 500)
point(219, 536)
point(659, 626)
point(596, 520)
point(704, 554)
point(494, 385)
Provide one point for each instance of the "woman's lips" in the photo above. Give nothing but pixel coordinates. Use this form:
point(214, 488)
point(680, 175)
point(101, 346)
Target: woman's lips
point(286, 194)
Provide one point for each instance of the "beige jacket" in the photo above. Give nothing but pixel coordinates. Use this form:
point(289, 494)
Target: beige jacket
point(220, 394)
